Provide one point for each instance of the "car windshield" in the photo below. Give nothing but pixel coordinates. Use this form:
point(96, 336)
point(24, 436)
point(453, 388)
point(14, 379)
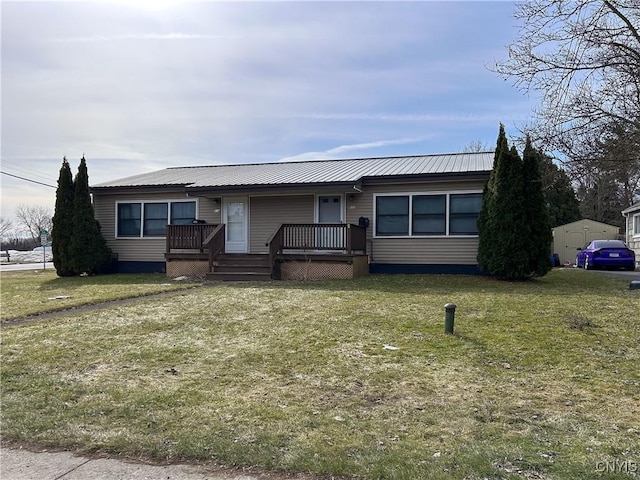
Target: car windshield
point(608, 244)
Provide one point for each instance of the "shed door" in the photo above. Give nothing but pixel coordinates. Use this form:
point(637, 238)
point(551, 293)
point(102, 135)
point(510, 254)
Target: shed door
point(573, 241)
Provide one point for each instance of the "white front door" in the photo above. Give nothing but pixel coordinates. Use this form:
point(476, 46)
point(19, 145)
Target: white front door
point(236, 216)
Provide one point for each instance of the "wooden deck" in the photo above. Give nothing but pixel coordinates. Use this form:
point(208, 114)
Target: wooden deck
point(296, 251)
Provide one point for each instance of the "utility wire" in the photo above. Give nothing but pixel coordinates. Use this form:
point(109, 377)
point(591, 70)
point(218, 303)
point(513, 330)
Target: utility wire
point(19, 168)
point(27, 179)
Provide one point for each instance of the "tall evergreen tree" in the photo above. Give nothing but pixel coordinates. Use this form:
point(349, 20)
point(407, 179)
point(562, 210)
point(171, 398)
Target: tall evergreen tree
point(502, 224)
point(89, 251)
point(536, 212)
point(486, 230)
point(559, 194)
point(63, 222)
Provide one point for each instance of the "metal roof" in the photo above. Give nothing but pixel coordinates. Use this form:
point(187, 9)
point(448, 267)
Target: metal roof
point(632, 208)
point(308, 172)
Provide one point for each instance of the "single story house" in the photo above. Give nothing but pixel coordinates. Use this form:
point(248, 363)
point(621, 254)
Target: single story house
point(298, 220)
point(571, 236)
point(632, 216)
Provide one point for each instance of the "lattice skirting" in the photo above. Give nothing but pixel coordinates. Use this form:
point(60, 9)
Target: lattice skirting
point(187, 268)
point(290, 269)
point(319, 270)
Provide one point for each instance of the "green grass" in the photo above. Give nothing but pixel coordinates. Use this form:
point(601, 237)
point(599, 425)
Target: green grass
point(25, 293)
point(541, 379)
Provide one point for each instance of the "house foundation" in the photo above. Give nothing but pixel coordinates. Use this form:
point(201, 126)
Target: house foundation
point(187, 265)
point(321, 267)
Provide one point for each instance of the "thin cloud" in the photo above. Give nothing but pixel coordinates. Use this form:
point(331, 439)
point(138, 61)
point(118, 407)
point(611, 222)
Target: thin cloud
point(446, 118)
point(141, 36)
point(340, 151)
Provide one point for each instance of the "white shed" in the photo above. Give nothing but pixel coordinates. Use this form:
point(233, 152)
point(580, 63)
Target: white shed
point(568, 238)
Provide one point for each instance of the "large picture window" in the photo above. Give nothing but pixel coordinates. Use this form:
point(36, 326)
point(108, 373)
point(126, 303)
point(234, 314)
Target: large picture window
point(463, 219)
point(150, 219)
point(129, 219)
point(183, 213)
point(427, 214)
point(156, 219)
point(392, 215)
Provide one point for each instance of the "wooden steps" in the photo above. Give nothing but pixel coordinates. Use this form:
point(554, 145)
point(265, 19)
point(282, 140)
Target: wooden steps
point(241, 267)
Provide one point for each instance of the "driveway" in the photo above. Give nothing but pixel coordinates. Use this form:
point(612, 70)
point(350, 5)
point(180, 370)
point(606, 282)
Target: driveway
point(12, 267)
point(625, 275)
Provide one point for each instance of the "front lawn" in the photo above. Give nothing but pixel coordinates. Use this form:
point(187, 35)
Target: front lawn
point(541, 379)
point(30, 292)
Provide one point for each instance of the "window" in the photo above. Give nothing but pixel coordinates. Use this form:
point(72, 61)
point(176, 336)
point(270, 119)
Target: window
point(463, 219)
point(156, 219)
point(150, 219)
point(392, 215)
point(183, 213)
point(129, 219)
point(636, 225)
point(428, 214)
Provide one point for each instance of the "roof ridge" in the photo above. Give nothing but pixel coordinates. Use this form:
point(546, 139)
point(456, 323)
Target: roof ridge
point(325, 160)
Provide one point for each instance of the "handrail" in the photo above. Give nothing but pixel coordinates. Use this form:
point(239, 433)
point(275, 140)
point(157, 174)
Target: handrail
point(274, 234)
point(214, 243)
point(187, 237)
point(318, 236)
point(275, 246)
point(357, 238)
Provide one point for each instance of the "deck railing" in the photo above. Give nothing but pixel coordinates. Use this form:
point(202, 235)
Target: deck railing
point(314, 237)
point(188, 237)
point(214, 243)
point(342, 237)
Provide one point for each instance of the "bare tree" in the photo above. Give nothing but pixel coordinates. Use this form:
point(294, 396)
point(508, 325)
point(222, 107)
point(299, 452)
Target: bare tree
point(6, 226)
point(35, 219)
point(583, 56)
point(476, 146)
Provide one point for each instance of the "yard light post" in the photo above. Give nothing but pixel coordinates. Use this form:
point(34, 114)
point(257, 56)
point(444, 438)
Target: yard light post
point(449, 315)
point(43, 241)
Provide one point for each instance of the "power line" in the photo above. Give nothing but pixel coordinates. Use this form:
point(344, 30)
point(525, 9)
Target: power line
point(27, 179)
point(20, 168)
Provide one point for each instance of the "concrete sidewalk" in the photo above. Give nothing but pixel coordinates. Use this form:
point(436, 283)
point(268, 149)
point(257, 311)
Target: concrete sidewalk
point(18, 464)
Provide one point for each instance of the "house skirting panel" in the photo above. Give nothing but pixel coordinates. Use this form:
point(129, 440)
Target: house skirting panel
point(187, 268)
point(449, 269)
point(318, 269)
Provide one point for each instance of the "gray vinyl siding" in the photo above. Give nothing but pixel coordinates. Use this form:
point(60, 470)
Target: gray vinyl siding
point(143, 249)
point(633, 241)
point(428, 251)
point(413, 250)
point(267, 213)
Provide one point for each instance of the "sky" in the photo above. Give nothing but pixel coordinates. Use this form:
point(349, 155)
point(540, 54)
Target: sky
point(137, 86)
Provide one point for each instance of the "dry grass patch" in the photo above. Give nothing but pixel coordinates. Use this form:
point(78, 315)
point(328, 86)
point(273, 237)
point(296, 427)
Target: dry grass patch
point(294, 377)
point(31, 292)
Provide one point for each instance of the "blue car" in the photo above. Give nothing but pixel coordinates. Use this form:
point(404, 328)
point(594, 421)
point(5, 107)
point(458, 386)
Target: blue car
point(606, 254)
